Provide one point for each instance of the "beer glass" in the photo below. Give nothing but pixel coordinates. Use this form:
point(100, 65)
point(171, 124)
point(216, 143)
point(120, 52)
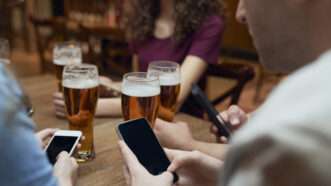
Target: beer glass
point(80, 89)
point(169, 75)
point(140, 96)
point(65, 54)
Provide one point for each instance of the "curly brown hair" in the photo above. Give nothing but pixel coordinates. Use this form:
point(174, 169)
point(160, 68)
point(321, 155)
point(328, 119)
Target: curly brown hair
point(188, 14)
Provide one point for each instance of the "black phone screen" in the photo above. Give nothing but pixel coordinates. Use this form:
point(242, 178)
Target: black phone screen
point(59, 144)
point(141, 140)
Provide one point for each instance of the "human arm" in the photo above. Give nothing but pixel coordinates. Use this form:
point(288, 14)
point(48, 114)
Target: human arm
point(106, 107)
point(179, 136)
point(192, 69)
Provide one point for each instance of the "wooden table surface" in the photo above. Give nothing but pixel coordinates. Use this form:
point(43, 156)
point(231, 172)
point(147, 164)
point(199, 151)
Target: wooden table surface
point(106, 169)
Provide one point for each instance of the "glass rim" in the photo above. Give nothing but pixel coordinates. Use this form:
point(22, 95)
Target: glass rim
point(82, 65)
point(67, 43)
point(141, 77)
point(158, 64)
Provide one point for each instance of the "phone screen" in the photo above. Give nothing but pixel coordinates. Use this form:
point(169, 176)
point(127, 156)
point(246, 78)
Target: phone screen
point(59, 144)
point(141, 140)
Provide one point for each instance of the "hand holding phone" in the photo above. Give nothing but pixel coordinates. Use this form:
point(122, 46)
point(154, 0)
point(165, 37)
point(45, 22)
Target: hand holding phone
point(63, 140)
point(140, 138)
point(214, 116)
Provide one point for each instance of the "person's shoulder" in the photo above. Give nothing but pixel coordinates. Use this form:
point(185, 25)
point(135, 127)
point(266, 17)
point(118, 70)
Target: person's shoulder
point(212, 22)
point(211, 25)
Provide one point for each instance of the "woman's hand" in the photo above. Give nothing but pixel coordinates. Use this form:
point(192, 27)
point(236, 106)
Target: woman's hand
point(65, 169)
point(174, 135)
point(59, 105)
point(194, 168)
point(136, 175)
point(235, 116)
point(44, 136)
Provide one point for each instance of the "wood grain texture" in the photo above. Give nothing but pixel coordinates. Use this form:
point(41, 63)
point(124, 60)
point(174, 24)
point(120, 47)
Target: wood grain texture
point(106, 168)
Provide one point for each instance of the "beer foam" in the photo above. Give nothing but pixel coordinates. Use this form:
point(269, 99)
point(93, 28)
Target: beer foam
point(80, 84)
point(141, 91)
point(67, 61)
point(169, 80)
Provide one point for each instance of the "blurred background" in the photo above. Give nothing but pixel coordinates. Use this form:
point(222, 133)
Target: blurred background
point(34, 26)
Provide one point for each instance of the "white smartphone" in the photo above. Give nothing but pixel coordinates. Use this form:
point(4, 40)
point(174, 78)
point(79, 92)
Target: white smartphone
point(63, 140)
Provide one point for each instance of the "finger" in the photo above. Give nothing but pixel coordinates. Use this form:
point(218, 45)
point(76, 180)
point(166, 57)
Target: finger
point(129, 158)
point(179, 158)
point(223, 139)
point(234, 115)
point(225, 116)
point(171, 153)
point(62, 155)
point(46, 133)
point(74, 162)
point(126, 175)
point(58, 95)
point(167, 178)
point(213, 129)
point(59, 103)
point(60, 114)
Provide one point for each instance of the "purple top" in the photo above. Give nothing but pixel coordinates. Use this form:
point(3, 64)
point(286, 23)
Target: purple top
point(204, 43)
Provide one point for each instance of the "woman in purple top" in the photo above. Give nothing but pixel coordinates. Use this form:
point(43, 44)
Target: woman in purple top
point(185, 31)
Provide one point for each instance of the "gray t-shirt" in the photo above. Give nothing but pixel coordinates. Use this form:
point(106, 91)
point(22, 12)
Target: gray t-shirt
point(288, 140)
point(22, 161)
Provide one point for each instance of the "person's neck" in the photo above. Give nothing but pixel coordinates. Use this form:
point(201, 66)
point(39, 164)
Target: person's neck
point(167, 9)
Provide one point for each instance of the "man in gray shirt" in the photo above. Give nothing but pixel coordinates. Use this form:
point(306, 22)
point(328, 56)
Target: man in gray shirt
point(287, 142)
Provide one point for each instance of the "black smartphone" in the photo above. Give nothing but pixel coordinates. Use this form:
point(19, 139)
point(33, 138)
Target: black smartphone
point(140, 138)
point(213, 114)
point(62, 140)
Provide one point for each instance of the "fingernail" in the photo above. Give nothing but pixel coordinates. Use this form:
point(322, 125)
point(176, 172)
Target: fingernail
point(235, 121)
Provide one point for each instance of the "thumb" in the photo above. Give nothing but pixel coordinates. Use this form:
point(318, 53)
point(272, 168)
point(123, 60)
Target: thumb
point(167, 178)
point(62, 155)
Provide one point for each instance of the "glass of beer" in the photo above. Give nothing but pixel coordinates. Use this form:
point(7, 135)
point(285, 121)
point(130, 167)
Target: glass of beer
point(65, 54)
point(80, 90)
point(140, 96)
point(169, 75)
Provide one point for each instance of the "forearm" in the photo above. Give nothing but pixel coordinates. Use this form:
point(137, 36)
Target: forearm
point(191, 71)
point(212, 149)
point(64, 181)
point(110, 107)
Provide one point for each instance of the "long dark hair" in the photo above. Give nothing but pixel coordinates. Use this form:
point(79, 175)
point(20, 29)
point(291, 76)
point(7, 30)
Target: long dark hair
point(141, 16)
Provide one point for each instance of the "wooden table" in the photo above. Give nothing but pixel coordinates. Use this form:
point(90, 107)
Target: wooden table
point(106, 169)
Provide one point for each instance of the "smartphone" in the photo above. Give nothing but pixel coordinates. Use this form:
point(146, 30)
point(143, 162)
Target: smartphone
point(62, 140)
point(140, 138)
point(214, 116)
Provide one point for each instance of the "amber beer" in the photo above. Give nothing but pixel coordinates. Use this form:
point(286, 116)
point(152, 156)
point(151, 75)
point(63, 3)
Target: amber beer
point(168, 97)
point(81, 97)
point(169, 76)
point(140, 97)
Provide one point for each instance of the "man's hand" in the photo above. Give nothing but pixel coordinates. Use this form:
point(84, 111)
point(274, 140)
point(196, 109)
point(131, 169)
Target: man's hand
point(194, 168)
point(44, 136)
point(136, 175)
point(65, 169)
point(235, 116)
point(174, 135)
